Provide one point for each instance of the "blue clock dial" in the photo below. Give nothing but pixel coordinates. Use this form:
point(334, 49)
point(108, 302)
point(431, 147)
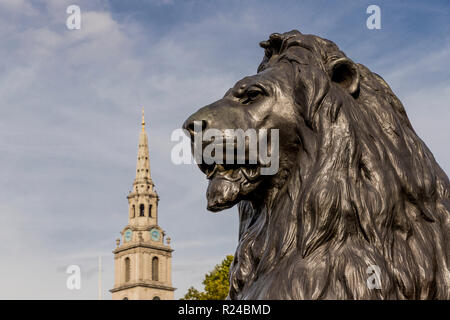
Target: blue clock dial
point(128, 234)
point(155, 234)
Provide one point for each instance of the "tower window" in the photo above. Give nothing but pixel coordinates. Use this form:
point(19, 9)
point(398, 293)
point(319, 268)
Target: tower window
point(150, 211)
point(155, 267)
point(127, 270)
point(156, 298)
point(142, 210)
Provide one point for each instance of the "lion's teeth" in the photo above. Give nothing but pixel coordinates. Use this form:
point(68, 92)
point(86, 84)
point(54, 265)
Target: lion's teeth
point(211, 173)
point(251, 173)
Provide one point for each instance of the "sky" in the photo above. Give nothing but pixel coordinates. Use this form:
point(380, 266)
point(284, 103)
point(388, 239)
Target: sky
point(70, 103)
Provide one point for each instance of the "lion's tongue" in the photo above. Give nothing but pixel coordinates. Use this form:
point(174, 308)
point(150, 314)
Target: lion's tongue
point(221, 193)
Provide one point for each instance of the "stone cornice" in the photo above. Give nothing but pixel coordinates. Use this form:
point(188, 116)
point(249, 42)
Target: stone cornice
point(125, 247)
point(137, 228)
point(152, 285)
point(134, 194)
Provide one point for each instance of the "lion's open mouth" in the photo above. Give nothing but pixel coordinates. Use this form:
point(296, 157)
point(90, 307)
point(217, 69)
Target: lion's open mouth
point(228, 184)
point(250, 172)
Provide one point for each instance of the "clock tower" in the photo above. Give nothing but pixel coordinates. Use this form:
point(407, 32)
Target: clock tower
point(143, 256)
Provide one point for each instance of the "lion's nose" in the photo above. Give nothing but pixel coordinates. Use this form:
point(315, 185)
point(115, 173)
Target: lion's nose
point(195, 126)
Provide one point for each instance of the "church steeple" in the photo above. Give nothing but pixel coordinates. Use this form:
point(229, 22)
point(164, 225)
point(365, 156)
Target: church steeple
point(143, 200)
point(143, 254)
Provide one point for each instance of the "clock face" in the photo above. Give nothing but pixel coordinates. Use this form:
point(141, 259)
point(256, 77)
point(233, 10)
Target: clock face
point(128, 234)
point(155, 234)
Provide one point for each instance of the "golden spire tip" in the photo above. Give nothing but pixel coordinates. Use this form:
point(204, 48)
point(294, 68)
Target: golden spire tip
point(143, 120)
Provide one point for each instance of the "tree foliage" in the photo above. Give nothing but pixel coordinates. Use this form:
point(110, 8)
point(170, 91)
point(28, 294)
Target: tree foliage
point(216, 283)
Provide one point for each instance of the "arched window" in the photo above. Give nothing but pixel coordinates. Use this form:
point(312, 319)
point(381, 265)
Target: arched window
point(125, 298)
point(150, 210)
point(155, 267)
point(141, 210)
point(156, 298)
point(127, 269)
point(133, 211)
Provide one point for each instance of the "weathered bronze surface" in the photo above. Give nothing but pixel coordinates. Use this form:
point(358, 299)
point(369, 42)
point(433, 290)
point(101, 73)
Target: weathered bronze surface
point(356, 188)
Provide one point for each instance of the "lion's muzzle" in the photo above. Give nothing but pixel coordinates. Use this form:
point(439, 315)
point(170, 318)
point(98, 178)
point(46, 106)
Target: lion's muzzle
point(233, 172)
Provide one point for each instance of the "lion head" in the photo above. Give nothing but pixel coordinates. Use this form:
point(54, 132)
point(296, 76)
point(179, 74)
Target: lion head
point(356, 191)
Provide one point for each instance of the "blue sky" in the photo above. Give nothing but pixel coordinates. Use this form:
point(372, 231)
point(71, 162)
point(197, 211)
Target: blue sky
point(70, 110)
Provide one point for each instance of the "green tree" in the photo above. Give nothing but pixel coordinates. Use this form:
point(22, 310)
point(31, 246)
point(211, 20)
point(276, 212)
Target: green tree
point(216, 283)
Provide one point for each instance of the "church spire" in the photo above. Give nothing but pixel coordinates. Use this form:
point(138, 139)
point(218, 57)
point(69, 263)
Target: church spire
point(143, 160)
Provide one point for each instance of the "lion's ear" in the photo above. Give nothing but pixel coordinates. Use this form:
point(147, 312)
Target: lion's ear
point(345, 73)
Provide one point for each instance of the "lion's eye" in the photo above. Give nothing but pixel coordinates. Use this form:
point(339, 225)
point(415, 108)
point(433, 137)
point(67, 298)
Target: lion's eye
point(252, 94)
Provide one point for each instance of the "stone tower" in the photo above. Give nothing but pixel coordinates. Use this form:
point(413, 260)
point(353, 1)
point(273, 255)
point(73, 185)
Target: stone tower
point(143, 257)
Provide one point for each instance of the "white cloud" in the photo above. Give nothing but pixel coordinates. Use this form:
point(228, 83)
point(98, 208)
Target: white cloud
point(18, 6)
point(73, 102)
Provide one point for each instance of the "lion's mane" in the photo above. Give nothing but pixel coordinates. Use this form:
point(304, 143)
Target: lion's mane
point(367, 193)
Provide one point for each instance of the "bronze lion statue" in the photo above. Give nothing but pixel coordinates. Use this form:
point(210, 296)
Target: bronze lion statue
point(356, 190)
